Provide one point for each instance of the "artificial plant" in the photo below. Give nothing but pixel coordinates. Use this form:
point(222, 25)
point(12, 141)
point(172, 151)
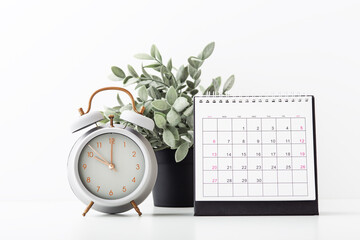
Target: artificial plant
point(167, 95)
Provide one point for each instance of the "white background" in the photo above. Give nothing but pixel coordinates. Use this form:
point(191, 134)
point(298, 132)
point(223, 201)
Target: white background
point(54, 54)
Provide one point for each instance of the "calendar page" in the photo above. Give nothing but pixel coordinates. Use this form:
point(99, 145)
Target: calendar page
point(254, 148)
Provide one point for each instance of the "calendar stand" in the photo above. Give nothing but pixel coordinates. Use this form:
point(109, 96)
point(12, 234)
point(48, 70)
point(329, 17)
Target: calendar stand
point(255, 156)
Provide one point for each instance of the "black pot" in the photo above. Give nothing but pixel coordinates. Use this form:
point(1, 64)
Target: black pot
point(174, 185)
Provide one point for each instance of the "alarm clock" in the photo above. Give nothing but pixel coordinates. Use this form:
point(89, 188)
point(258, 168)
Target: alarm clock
point(112, 168)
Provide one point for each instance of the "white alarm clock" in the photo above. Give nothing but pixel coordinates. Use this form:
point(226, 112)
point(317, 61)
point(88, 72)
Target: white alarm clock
point(112, 168)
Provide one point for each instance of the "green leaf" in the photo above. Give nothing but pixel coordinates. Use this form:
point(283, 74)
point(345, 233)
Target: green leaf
point(197, 75)
point(197, 82)
point(180, 104)
point(130, 81)
point(153, 50)
point(132, 71)
point(194, 92)
point(171, 95)
point(174, 131)
point(160, 120)
point(160, 105)
point(216, 84)
point(186, 138)
point(192, 71)
point(173, 118)
point(118, 72)
point(208, 50)
point(168, 138)
point(143, 93)
point(169, 65)
point(182, 74)
point(190, 84)
point(181, 152)
point(186, 96)
point(154, 93)
point(228, 84)
point(127, 79)
point(154, 66)
point(119, 100)
point(146, 74)
point(180, 87)
point(195, 62)
point(188, 111)
point(143, 56)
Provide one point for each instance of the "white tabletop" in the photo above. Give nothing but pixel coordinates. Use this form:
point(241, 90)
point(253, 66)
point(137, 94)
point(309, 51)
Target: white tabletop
point(63, 220)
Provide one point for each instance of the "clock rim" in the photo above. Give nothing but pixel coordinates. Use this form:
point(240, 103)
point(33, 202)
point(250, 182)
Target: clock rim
point(112, 205)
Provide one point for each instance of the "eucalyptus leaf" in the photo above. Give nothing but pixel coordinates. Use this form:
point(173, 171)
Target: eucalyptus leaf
point(173, 118)
point(160, 120)
point(192, 71)
point(228, 84)
point(181, 152)
point(180, 87)
point(118, 72)
point(182, 74)
point(197, 75)
point(195, 62)
point(130, 81)
point(175, 132)
point(155, 65)
point(216, 84)
point(180, 104)
point(169, 65)
point(189, 111)
point(208, 50)
point(171, 95)
point(160, 105)
point(132, 71)
point(143, 56)
point(154, 93)
point(153, 50)
point(186, 138)
point(190, 84)
point(143, 93)
point(127, 79)
point(197, 82)
point(194, 92)
point(146, 74)
point(168, 138)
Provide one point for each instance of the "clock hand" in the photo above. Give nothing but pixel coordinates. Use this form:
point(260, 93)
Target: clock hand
point(101, 159)
point(97, 153)
point(111, 166)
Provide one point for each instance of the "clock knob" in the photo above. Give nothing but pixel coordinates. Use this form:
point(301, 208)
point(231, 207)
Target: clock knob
point(86, 120)
point(138, 119)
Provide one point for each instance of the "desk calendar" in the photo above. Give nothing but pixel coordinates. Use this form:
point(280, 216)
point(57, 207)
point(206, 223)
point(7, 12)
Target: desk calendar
point(255, 156)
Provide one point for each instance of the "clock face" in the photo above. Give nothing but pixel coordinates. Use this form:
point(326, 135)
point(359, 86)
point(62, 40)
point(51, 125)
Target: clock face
point(111, 166)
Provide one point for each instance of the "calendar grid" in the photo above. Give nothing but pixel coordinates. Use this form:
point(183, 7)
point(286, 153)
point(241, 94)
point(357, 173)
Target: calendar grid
point(244, 158)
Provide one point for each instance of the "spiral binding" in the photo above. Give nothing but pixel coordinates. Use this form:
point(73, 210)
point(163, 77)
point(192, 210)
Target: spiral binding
point(253, 99)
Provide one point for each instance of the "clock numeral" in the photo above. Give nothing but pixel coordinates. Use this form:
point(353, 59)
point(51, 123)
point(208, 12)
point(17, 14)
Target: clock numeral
point(111, 140)
point(90, 154)
point(133, 153)
point(98, 188)
point(111, 193)
point(98, 145)
point(133, 180)
point(137, 166)
point(124, 144)
point(124, 189)
point(84, 166)
point(88, 180)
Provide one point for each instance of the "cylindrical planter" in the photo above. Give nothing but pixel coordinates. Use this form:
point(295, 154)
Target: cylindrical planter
point(174, 185)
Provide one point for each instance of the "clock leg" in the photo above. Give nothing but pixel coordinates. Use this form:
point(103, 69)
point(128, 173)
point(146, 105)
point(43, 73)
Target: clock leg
point(136, 207)
point(88, 208)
